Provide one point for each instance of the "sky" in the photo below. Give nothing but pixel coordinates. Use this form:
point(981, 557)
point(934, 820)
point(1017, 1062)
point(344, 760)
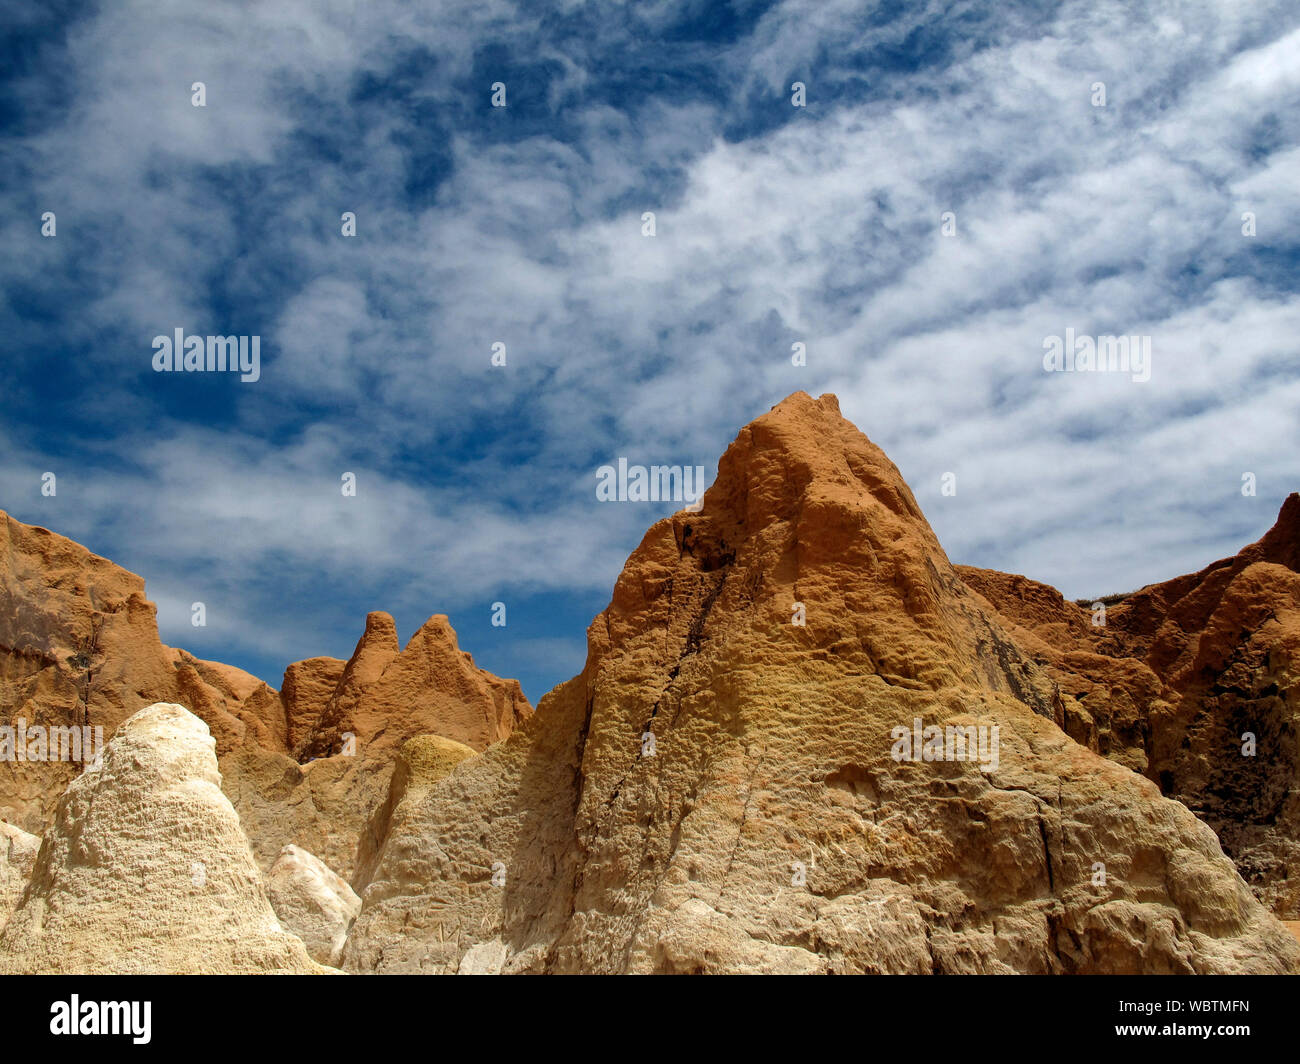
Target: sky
point(963, 181)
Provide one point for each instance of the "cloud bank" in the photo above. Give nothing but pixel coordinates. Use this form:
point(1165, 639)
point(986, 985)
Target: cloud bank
point(522, 225)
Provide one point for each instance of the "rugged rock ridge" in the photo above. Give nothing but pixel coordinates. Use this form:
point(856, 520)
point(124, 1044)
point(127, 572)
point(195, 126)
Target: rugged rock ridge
point(79, 646)
point(146, 870)
point(342, 748)
point(729, 785)
point(1172, 679)
point(385, 695)
point(717, 790)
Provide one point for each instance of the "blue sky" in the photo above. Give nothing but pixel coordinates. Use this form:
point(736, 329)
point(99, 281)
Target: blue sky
point(522, 224)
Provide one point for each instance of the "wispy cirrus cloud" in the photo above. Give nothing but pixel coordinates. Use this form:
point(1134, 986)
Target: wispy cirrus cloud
point(523, 225)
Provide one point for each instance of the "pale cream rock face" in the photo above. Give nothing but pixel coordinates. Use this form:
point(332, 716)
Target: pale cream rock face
point(486, 958)
point(421, 762)
point(145, 868)
point(312, 903)
point(18, 852)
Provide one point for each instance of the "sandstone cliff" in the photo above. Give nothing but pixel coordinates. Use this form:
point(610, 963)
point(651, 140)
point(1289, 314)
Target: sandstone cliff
point(1174, 679)
point(718, 790)
point(79, 647)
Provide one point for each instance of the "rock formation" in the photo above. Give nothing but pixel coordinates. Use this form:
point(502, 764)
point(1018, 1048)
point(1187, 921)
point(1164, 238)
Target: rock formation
point(79, 647)
point(312, 903)
point(345, 744)
point(731, 784)
point(803, 741)
point(1177, 679)
point(145, 868)
point(421, 762)
point(18, 852)
point(386, 695)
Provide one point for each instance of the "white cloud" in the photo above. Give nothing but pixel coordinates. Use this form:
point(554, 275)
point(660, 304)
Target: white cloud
point(824, 229)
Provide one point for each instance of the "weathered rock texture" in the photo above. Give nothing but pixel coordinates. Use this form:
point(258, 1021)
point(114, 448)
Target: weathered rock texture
point(1170, 680)
point(344, 745)
point(386, 695)
point(768, 828)
point(79, 646)
point(146, 870)
point(421, 762)
point(312, 903)
point(18, 852)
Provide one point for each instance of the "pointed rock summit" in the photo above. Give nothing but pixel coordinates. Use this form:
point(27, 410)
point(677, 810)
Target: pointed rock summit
point(345, 738)
point(387, 694)
point(801, 743)
point(146, 870)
